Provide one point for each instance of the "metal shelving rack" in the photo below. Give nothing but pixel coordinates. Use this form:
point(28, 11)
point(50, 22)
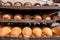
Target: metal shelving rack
point(30, 21)
point(32, 7)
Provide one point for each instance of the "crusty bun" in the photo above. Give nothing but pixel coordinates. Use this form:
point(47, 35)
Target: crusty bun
point(18, 17)
point(46, 17)
point(53, 4)
point(16, 31)
point(37, 32)
point(55, 17)
point(47, 31)
point(37, 4)
point(1, 15)
point(7, 16)
point(44, 4)
point(56, 30)
point(27, 32)
point(27, 4)
point(17, 4)
point(37, 17)
point(0, 28)
point(5, 31)
point(2, 3)
point(8, 4)
point(27, 17)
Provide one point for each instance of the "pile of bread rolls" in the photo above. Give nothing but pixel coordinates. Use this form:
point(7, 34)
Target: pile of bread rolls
point(25, 4)
point(29, 17)
point(28, 32)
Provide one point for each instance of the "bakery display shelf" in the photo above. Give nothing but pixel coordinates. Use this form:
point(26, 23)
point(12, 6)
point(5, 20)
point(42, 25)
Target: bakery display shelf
point(30, 21)
point(21, 38)
point(32, 7)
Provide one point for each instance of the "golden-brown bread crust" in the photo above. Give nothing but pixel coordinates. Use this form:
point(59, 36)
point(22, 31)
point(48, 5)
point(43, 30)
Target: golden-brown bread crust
point(7, 16)
point(15, 32)
point(37, 17)
point(55, 17)
point(18, 4)
point(56, 30)
point(27, 17)
point(53, 4)
point(44, 4)
point(27, 32)
point(27, 4)
point(5, 31)
point(37, 32)
point(37, 4)
point(8, 4)
point(46, 17)
point(47, 31)
point(18, 17)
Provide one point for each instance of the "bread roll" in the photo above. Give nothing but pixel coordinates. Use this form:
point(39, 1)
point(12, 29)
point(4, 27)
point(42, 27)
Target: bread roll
point(37, 32)
point(37, 17)
point(17, 4)
point(16, 31)
point(27, 17)
point(27, 32)
point(53, 4)
point(8, 4)
point(18, 17)
point(46, 17)
point(5, 31)
point(44, 4)
point(0, 28)
point(47, 31)
point(27, 4)
point(1, 14)
point(56, 30)
point(55, 17)
point(2, 3)
point(36, 4)
point(7, 16)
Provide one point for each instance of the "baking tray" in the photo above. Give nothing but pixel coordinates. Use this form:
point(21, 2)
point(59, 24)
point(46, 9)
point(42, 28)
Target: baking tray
point(32, 7)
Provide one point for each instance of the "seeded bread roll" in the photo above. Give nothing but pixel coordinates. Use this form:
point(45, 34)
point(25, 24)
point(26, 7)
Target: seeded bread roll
point(27, 32)
point(15, 32)
point(5, 31)
point(47, 31)
point(37, 32)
